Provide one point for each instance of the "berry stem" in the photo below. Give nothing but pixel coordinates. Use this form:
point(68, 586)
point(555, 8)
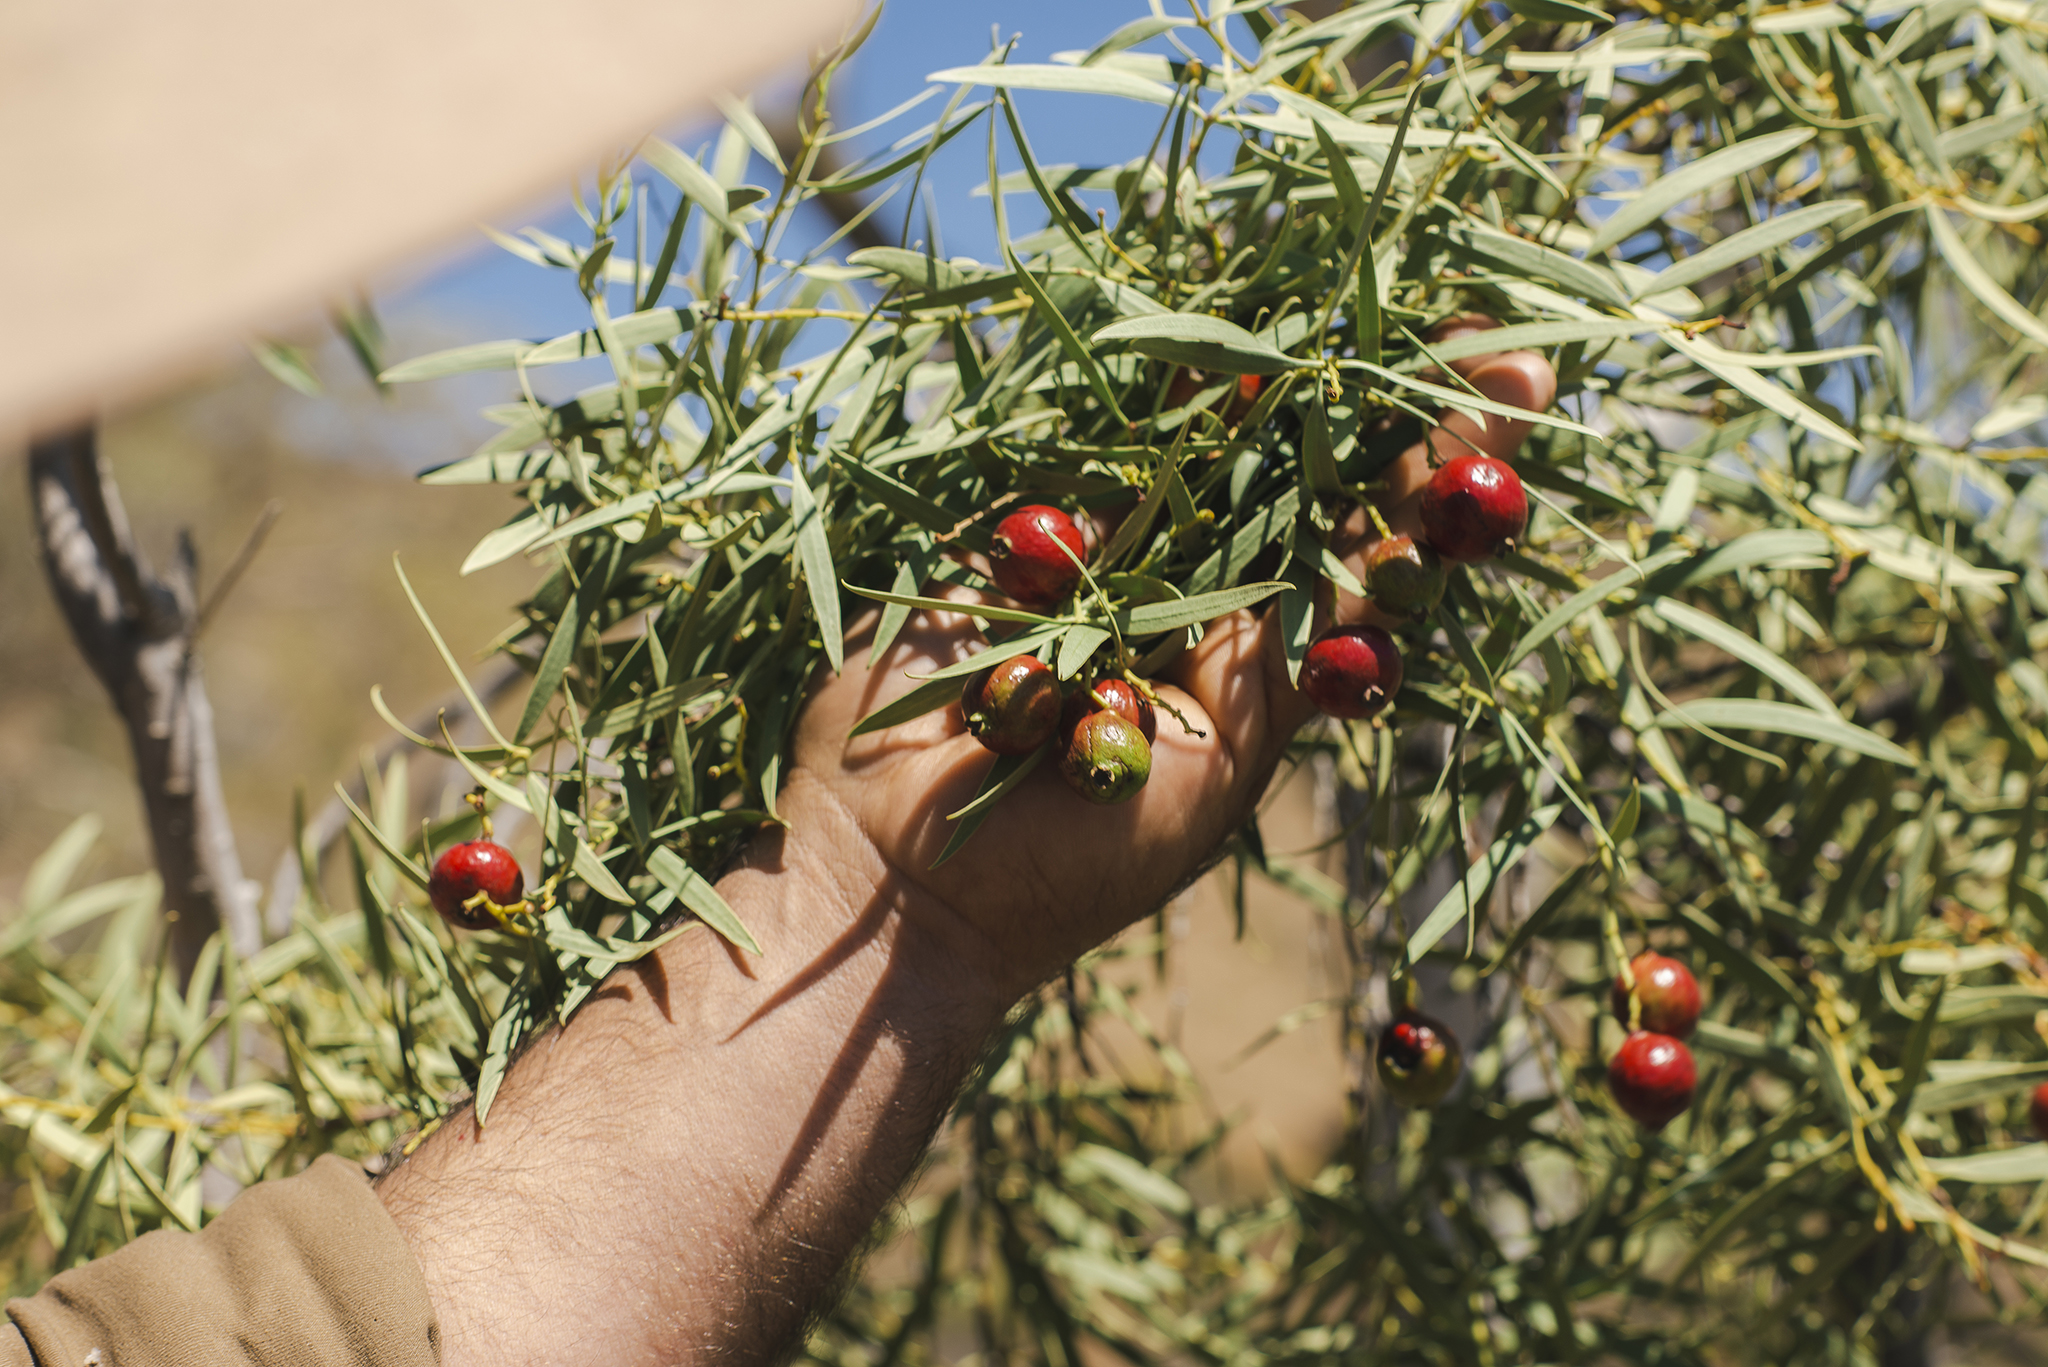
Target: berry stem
point(1151, 695)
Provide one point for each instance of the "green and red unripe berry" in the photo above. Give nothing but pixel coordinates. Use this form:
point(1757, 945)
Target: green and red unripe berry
point(1025, 558)
point(1418, 1059)
point(1473, 509)
point(1403, 578)
point(1013, 708)
point(1652, 1077)
point(1116, 696)
point(2037, 1110)
point(463, 871)
point(1106, 759)
point(1351, 672)
point(1668, 993)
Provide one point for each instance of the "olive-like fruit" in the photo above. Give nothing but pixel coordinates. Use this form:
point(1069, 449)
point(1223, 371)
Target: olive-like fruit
point(1418, 1059)
point(463, 871)
point(1106, 759)
point(1668, 992)
point(1013, 708)
point(1351, 672)
point(1025, 558)
point(1652, 1077)
point(1473, 509)
point(2037, 1110)
point(1120, 698)
point(1403, 578)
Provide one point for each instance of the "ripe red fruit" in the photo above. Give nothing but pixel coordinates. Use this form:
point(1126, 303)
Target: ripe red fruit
point(1351, 672)
point(1106, 759)
point(1669, 994)
point(1418, 1059)
point(1025, 558)
point(1403, 578)
point(2037, 1110)
point(1013, 708)
point(1124, 700)
point(463, 871)
point(1652, 1077)
point(1473, 508)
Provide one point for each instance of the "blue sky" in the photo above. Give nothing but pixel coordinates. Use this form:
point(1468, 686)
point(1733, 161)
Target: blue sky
point(483, 292)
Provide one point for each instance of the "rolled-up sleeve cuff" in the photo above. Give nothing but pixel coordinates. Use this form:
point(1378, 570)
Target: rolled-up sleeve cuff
point(308, 1271)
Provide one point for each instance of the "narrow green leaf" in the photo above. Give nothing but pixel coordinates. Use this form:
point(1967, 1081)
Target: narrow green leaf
point(1751, 714)
point(1665, 193)
point(697, 893)
point(1751, 242)
point(814, 548)
point(1471, 893)
point(1081, 80)
point(1203, 607)
point(1200, 341)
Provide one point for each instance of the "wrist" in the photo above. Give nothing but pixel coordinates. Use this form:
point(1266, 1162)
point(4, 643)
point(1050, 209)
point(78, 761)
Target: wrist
point(818, 891)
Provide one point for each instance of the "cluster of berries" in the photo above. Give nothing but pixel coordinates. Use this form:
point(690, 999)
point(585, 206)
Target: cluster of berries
point(1105, 730)
point(1473, 509)
point(1652, 1075)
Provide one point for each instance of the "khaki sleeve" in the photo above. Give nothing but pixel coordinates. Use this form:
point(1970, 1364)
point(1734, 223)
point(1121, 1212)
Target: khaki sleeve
point(304, 1272)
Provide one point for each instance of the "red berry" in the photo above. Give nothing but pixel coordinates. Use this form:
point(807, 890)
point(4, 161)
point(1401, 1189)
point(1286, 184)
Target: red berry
point(1013, 708)
point(1403, 578)
point(1473, 508)
point(1122, 699)
point(2037, 1110)
point(1351, 672)
point(1106, 759)
point(1669, 993)
point(1652, 1077)
point(1418, 1059)
point(463, 871)
point(1025, 558)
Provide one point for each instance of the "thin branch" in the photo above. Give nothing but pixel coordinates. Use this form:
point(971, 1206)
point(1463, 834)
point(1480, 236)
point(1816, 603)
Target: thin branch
point(135, 629)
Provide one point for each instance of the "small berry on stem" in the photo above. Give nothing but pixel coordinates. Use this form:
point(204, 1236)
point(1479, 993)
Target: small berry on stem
point(1025, 558)
point(1473, 509)
point(1013, 708)
point(1652, 1077)
point(1113, 695)
point(1667, 994)
point(475, 885)
point(2037, 1110)
point(1404, 578)
point(1351, 672)
point(1418, 1059)
point(1106, 759)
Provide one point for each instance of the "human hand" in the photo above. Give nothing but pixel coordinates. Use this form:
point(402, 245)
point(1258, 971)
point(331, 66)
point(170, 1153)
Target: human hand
point(1048, 875)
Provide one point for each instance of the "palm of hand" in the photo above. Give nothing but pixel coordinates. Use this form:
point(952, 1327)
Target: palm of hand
point(1049, 875)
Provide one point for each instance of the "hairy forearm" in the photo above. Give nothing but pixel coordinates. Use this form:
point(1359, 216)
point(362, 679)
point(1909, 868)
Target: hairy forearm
point(680, 1172)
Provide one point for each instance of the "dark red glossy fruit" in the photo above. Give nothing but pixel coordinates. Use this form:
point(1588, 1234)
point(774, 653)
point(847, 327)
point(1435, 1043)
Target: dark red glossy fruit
point(463, 871)
point(1106, 759)
point(1187, 384)
point(1403, 578)
point(1351, 672)
point(1418, 1059)
point(1473, 508)
point(1013, 708)
point(1669, 994)
point(1122, 699)
point(1025, 558)
point(2037, 1110)
point(1652, 1077)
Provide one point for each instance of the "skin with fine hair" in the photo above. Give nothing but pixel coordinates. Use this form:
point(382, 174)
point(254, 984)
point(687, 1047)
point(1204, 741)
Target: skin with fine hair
point(681, 1172)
